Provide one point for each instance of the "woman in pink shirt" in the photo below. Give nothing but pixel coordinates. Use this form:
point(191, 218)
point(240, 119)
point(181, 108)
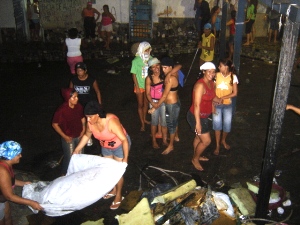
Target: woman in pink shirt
point(106, 26)
point(114, 140)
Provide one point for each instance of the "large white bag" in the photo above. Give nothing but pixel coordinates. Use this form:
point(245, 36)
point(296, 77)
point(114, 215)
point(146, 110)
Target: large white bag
point(88, 179)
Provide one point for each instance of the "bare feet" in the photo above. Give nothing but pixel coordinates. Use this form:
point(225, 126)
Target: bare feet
point(158, 135)
point(167, 150)
point(246, 44)
point(197, 165)
point(165, 143)
point(203, 158)
point(155, 145)
point(226, 146)
point(217, 150)
point(142, 129)
point(176, 139)
point(146, 122)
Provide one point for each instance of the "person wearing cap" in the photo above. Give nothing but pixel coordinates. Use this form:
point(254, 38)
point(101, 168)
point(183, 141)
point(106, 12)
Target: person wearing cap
point(154, 91)
point(113, 138)
point(139, 71)
point(226, 88)
point(171, 100)
point(201, 108)
point(10, 154)
point(106, 26)
point(207, 45)
point(72, 44)
point(89, 22)
point(69, 122)
point(85, 85)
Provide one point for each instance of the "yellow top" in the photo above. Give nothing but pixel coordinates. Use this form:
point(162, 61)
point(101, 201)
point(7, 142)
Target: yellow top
point(207, 55)
point(224, 87)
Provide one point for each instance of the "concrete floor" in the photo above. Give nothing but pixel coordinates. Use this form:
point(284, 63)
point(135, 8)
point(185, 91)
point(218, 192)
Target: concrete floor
point(30, 95)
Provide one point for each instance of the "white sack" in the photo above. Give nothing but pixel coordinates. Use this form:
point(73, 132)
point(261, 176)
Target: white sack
point(88, 179)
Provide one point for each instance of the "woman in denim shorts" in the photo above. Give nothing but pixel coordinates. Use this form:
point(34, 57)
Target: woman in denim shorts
point(200, 110)
point(226, 88)
point(114, 140)
point(154, 90)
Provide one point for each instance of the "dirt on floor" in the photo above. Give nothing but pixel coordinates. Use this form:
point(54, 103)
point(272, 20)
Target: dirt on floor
point(30, 94)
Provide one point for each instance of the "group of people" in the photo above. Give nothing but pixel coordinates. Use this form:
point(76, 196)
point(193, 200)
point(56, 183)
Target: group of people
point(76, 123)
point(208, 24)
point(90, 22)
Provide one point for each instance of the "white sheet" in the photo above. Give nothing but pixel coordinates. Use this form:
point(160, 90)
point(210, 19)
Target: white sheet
point(88, 179)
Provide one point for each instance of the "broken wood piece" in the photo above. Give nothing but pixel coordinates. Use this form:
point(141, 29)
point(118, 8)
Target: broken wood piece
point(175, 192)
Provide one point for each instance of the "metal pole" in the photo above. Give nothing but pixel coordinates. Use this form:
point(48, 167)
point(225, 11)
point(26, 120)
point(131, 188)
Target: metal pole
point(287, 55)
point(239, 30)
point(222, 37)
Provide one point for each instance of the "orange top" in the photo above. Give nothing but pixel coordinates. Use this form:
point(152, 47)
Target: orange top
point(88, 12)
point(106, 138)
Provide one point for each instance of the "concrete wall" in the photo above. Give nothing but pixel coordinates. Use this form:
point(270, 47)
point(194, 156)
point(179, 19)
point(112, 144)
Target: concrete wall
point(67, 13)
point(7, 19)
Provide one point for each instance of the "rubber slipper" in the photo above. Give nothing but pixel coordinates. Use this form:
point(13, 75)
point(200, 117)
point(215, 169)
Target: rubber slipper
point(115, 205)
point(203, 158)
point(108, 196)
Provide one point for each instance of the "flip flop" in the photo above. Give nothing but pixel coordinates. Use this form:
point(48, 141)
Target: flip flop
point(115, 205)
point(108, 196)
point(203, 158)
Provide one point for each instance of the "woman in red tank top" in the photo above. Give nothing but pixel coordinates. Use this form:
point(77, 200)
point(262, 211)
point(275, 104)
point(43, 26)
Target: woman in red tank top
point(10, 154)
point(201, 108)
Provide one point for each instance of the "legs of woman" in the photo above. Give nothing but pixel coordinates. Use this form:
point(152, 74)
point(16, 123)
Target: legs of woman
point(103, 36)
point(108, 35)
point(142, 109)
point(6, 220)
point(164, 131)
point(172, 113)
point(153, 132)
point(200, 144)
point(218, 138)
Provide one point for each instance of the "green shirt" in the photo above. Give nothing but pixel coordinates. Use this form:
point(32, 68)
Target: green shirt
point(250, 12)
point(140, 69)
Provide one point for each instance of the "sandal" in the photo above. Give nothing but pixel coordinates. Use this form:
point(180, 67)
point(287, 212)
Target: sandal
point(115, 205)
point(108, 196)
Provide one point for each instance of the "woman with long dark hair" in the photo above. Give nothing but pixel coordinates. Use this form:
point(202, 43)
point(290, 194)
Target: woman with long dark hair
point(226, 88)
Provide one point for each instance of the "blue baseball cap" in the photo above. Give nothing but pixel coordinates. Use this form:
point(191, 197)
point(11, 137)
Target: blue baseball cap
point(207, 26)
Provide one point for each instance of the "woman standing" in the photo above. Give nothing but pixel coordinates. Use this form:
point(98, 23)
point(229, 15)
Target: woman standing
point(154, 91)
point(113, 138)
point(10, 154)
point(200, 110)
point(72, 44)
point(226, 88)
point(89, 22)
point(231, 24)
point(85, 85)
point(139, 71)
point(215, 21)
point(171, 99)
point(69, 123)
point(106, 26)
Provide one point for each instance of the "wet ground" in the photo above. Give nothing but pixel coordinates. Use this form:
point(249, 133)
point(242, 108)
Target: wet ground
point(30, 93)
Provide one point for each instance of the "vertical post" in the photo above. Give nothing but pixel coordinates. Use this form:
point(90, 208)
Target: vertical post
point(287, 54)
point(239, 30)
point(222, 37)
